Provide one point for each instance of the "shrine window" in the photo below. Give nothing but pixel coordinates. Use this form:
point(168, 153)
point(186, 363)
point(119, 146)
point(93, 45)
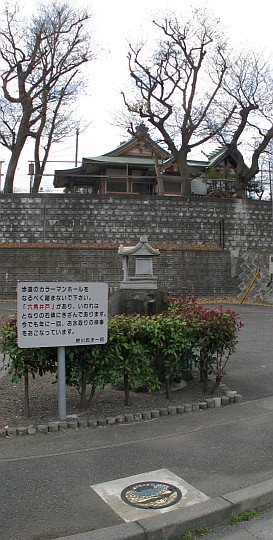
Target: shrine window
point(115, 186)
point(172, 187)
point(143, 188)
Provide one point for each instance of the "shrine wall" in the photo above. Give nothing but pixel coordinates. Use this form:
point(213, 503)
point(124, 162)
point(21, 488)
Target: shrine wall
point(58, 237)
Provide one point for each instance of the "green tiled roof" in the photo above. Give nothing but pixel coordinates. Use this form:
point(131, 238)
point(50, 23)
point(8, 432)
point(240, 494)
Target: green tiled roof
point(197, 163)
point(191, 162)
point(219, 154)
point(138, 160)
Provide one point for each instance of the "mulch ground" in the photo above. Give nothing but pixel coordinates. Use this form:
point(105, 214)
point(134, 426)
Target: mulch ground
point(43, 392)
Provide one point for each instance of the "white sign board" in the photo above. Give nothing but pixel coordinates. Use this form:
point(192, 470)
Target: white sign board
point(56, 314)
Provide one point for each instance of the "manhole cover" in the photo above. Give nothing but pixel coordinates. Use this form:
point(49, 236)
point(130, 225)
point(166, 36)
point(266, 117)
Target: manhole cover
point(151, 495)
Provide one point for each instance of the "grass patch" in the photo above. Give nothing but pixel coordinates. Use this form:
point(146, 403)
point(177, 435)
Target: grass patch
point(202, 531)
point(188, 535)
point(245, 516)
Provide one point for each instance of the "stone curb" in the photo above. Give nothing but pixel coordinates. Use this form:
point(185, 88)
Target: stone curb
point(75, 424)
point(173, 524)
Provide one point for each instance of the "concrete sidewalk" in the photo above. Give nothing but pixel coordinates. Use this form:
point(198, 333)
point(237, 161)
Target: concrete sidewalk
point(259, 527)
point(208, 514)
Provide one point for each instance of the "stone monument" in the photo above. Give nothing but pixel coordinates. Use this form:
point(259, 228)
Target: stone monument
point(139, 292)
point(142, 254)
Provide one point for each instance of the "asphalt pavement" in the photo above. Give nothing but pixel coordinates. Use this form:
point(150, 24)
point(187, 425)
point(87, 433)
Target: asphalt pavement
point(49, 482)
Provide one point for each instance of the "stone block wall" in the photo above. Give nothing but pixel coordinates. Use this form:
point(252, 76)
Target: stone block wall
point(105, 221)
point(199, 273)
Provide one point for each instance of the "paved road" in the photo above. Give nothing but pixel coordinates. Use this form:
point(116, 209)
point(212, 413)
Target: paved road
point(45, 480)
point(250, 369)
point(7, 308)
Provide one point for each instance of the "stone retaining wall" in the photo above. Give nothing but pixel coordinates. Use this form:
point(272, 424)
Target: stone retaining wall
point(103, 219)
point(107, 220)
point(179, 272)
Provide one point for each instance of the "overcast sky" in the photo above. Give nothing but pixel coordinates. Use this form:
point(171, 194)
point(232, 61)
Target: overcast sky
point(113, 24)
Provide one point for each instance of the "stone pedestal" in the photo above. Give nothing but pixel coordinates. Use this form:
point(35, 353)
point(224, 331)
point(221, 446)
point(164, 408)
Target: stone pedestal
point(141, 301)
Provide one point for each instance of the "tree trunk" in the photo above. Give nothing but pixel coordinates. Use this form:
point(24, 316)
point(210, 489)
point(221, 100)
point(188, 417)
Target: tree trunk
point(168, 388)
point(38, 165)
point(240, 187)
point(17, 148)
point(204, 380)
point(92, 393)
point(126, 389)
point(37, 181)
point(13, 162)
point(203, 372)
point(240, 181)
point(83, 390)
point(184, 172)
point(160, 184)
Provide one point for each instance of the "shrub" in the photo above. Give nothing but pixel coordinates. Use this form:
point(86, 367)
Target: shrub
point(141, 350)
point(22, 362)
point(213, 335)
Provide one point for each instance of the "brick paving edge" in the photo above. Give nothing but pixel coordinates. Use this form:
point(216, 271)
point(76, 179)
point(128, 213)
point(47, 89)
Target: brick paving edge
point(71, 422)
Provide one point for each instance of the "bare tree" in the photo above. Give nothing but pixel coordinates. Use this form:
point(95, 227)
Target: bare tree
point(179, 88)
point(42, 62)
point(264, 177)
point(55, 124)
point(249, 86)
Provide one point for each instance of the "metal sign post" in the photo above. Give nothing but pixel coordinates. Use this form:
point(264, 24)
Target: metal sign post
point(61, 383)
point(59, 314)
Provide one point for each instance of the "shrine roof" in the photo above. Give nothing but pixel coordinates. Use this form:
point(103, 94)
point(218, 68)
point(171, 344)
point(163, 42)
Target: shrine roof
point(73, 171)
point(190, 162)
point(197, 163)
point(141, 135)
point(193, 164)
point(143, 249)
point(217, 156)
point(115, 160)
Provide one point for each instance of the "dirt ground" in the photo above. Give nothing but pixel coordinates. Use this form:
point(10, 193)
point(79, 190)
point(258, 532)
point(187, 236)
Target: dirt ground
point(109, 402)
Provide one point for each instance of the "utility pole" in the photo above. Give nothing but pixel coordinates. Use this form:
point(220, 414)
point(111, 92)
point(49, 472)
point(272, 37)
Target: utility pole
point(31, 174)
point(1, 163)
point(271, 256)
point(271, 198)
point(77, 147)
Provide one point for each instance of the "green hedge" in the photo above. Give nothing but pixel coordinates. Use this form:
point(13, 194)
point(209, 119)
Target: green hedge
point(141, 350)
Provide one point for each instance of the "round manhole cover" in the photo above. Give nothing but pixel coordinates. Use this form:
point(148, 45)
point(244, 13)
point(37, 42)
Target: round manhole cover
point(151, 495)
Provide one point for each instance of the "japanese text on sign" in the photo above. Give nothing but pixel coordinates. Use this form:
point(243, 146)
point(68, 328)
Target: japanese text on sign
point(61, 314)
